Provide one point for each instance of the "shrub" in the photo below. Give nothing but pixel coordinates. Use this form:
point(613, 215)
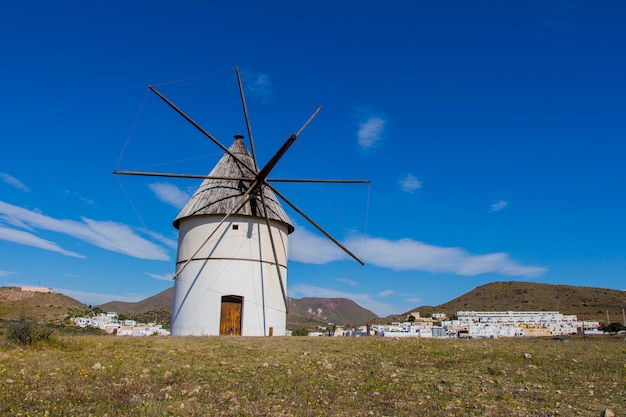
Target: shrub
point(612, 328)
point(302, 331)
point(27, 333)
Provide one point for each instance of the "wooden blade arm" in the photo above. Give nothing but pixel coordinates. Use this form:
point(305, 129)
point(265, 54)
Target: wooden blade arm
point(171, 175)
point(208, 177)
point(318, 181)
point(245, 113)
point(278, 155)
point(280, 275)
point(200, 128)
point(318, 227)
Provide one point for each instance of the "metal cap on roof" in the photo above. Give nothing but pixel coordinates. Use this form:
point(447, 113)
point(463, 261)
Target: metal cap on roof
point(219, 196)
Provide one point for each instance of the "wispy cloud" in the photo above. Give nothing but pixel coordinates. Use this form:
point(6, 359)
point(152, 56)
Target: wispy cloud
point(350, 282)
point(310, 248)
point(409, 255)
point(364, 300)
point(414, 300)
point(370, 131)
point(81, 198)
point(13, 182)
point(410, 184)
point(171, 243)
point(164, 277)
point(259, 84)
point(170, 194)
point(385, 293)
point(29, 239)
point(5, 274)
point(498, 206)
point(108, 235)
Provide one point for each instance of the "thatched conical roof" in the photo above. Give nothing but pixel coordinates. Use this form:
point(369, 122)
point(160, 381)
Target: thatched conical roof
point(219, 196)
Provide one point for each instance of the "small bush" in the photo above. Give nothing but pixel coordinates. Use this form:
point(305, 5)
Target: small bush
point(302, 331)
point(27, 333)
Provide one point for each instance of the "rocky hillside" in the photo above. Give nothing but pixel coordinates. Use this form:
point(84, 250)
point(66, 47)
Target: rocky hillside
point(587, 303)
point(161, 300)
point(329, 310)
point(40, 307)
point(305, 312)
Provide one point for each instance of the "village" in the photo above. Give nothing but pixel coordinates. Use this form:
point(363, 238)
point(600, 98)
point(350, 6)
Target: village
point(489, 324)
point(466, 324)
point(111, 323)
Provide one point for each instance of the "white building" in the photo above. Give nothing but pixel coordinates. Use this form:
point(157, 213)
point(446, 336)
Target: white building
point(516, 323)
point(28, 288)
point(490, 324)
point(410, 329)
point(109, 323)
point(232, 271)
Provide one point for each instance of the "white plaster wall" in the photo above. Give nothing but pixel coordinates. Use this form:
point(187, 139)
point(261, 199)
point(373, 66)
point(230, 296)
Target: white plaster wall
point(233, 262)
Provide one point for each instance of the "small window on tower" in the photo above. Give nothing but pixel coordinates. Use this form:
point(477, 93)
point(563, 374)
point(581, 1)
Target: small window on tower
point(235, 227)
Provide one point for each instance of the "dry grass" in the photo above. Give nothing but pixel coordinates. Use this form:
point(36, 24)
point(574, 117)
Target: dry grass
point(300, 376)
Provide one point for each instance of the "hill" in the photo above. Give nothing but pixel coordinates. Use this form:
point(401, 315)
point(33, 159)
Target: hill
point(587, 303)
point(163, 299)
point(305, 312)
point(328, 310)
point(155, 309)
point(40, 307)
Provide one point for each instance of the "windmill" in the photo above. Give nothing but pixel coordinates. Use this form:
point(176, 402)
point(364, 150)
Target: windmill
point(231, 266)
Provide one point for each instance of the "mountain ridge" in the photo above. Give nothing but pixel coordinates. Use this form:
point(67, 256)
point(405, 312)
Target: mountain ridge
point(303, 312)
point(587, 303)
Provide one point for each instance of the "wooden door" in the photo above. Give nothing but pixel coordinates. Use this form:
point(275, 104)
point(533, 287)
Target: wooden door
point(230, 319)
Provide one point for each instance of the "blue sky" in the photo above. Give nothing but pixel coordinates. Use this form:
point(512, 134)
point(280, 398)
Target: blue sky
point(493, 134)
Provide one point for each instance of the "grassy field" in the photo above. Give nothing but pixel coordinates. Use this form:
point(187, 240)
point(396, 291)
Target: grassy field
point(301, 376)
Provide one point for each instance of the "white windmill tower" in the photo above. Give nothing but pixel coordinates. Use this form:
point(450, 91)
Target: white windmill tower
point(231, 267)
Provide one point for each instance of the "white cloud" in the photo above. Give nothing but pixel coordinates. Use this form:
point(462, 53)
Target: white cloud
point(170, 194)
point(117, 237)
point(259, 84)
point(364, 300)
point(410, 184)
point(499, 205)
point(81, 198)
point(408, 254)
point(310, 248)
point(164, 277)
point(7, 273)
point(109, 235)
point(350, 282)
point(385, 293)
point(28, 239)
point(172, 243)
point(370, 132)
point(13, 182)
point(414, 300)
